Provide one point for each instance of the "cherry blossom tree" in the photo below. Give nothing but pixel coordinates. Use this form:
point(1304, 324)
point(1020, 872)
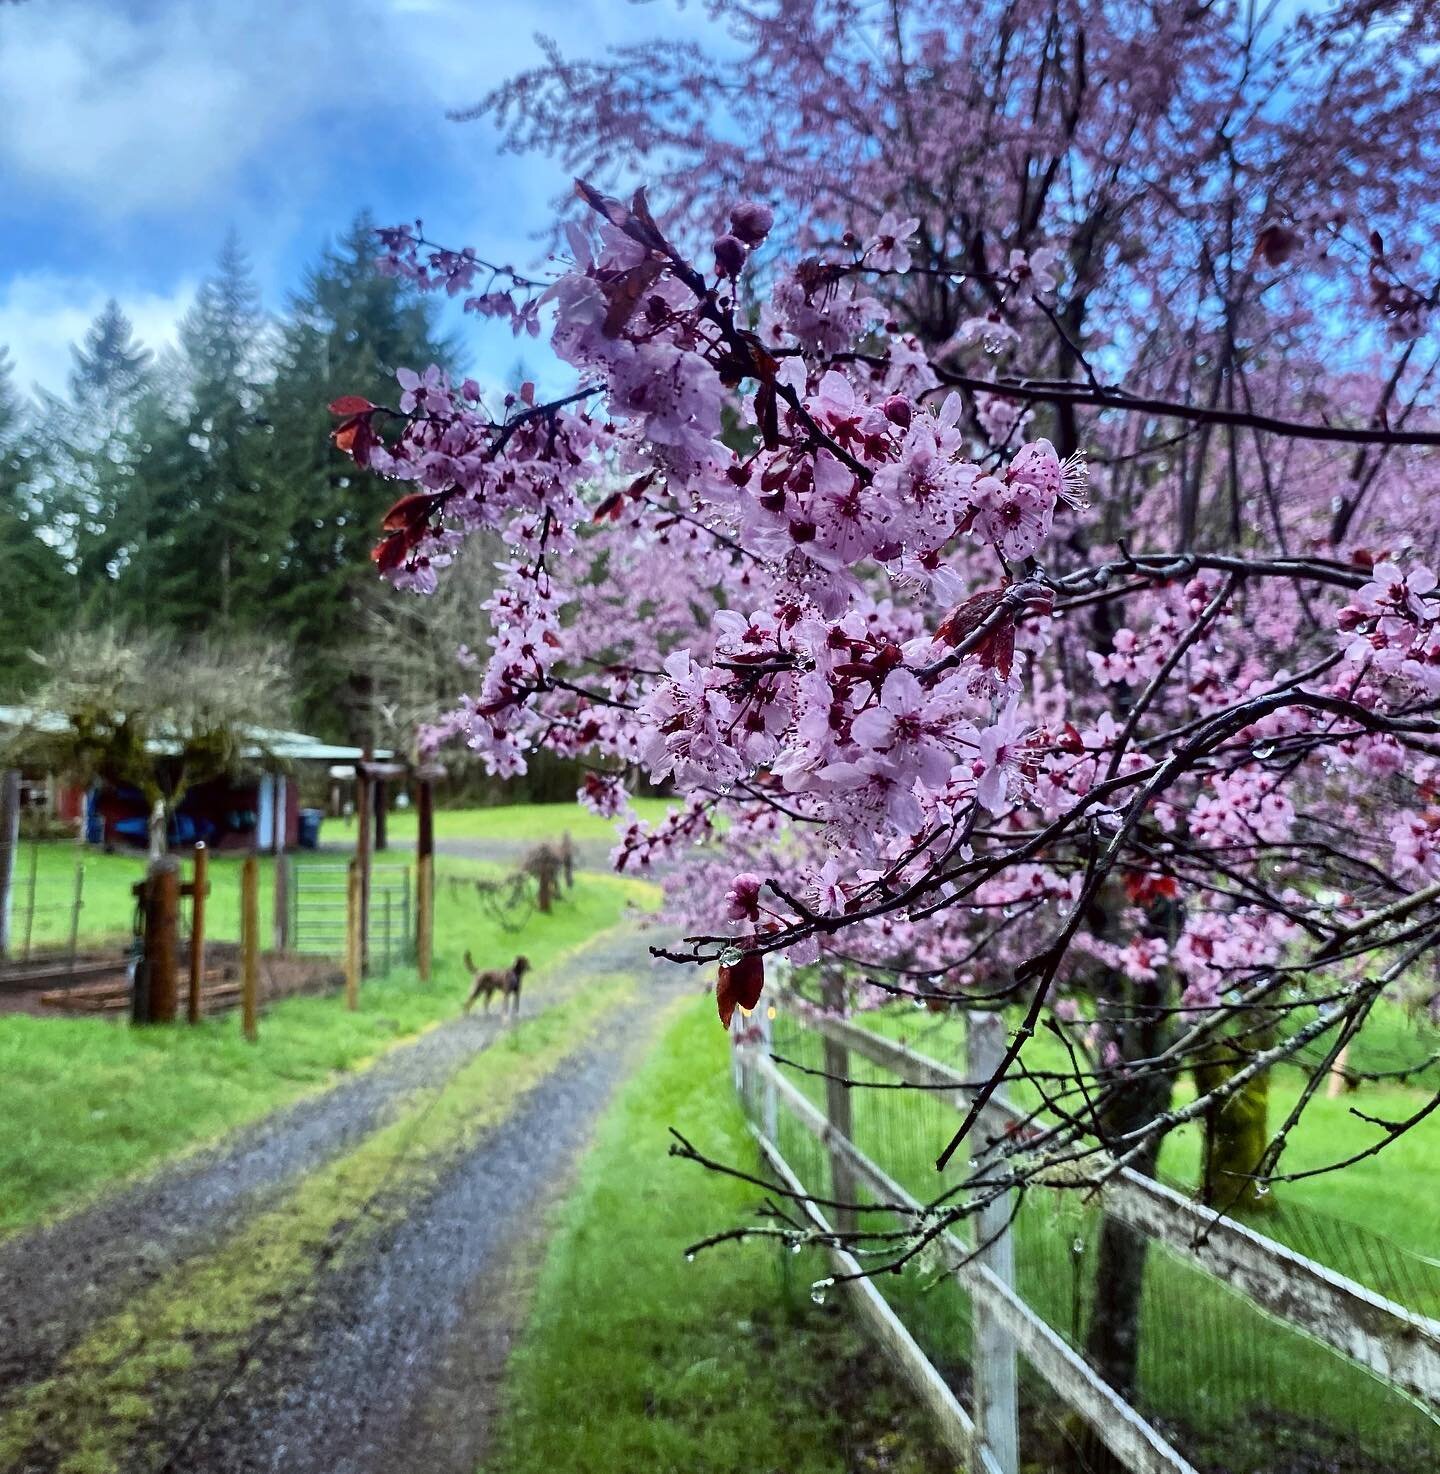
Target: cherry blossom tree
point(959, 504)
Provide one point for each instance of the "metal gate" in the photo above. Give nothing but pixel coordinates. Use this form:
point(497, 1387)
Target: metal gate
point(318, 901)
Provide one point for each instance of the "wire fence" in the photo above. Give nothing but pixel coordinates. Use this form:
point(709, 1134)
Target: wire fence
point(41, 913)
point(318, 898)
point(1230, 1387)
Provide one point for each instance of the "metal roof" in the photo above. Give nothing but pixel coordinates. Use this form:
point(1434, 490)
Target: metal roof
point(268, 741)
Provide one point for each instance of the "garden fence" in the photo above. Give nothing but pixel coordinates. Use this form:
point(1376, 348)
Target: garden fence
point(318, 902)
point(1242, 1337)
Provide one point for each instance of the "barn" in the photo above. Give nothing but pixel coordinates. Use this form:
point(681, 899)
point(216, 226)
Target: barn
point(258, 807)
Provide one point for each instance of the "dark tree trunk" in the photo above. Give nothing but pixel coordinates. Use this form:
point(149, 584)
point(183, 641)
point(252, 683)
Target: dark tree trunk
point(1134, 1017)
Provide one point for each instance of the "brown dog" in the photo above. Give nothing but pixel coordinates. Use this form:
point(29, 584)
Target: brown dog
point(505, 982)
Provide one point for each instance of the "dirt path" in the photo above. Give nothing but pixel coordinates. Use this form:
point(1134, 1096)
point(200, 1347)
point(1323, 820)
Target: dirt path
point(388, 1323)
point(398, 1363)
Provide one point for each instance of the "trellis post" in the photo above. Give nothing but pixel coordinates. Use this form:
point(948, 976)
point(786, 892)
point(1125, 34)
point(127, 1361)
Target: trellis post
point(250, 947)
point(363, 795)
point(425, 879)
point(199, 891)
point(9, 844)
point(997, 1407)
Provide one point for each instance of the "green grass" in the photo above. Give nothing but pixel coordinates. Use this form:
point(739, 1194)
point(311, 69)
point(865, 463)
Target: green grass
point(1390, 1194)
point(533, 822)
point(107, 905)
point(635, 1359)
point(88, 1101)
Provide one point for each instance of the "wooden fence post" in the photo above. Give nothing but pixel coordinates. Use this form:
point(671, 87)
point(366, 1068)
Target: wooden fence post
point(199, 890)
point(353, 924)
point(9, 844)
point(769, 1105)
point(363, 821)
point(382, 816)
point(425, 881)
point(425, 915)
point(997, 1409)
point(160, 891)
point(843, 1186)
point(250, 946)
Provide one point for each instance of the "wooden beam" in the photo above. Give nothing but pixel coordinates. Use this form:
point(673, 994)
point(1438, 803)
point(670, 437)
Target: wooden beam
point(362, 856)
point(250, 947)
point(9, 847)
point(953, 1424)
point(162, 940)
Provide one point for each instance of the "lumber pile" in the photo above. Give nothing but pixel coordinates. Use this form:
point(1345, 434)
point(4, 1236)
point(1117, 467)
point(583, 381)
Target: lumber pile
point(219, 989)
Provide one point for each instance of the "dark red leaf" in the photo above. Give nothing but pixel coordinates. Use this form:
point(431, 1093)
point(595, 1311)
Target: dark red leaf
point(740, 985)
point(390, 552)
point(967, 617)
point(350, 404)
point(411, 510)
point(767, 416)
point(610, 508)
point(1277, 243)
point(607, 205)
point(623, 293)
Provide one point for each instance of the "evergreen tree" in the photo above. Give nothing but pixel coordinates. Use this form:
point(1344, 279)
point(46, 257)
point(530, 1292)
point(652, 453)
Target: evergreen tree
point(93, 460)
point(110, 362)
point(349, 329)
point(194, 528)
point(34, 585)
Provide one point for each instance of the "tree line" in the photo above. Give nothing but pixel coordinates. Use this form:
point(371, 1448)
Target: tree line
point(195, 492)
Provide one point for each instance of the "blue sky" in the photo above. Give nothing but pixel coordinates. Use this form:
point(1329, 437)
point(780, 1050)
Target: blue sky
point(137, 132)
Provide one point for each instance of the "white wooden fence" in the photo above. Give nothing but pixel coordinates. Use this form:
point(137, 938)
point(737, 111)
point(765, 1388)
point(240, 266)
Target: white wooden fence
point(1388, 1340)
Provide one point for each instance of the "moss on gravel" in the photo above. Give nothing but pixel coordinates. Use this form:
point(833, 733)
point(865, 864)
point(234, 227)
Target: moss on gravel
point(196, 1326)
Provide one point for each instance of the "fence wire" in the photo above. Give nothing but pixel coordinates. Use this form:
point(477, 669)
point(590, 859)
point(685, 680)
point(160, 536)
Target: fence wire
point(1234, 1390)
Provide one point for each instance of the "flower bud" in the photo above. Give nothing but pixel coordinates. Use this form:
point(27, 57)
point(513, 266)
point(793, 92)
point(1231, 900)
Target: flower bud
point(898, 411)
point(729, 255)
point(751, 221)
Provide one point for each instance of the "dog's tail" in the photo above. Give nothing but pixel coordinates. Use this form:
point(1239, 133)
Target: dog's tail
point(469, 962)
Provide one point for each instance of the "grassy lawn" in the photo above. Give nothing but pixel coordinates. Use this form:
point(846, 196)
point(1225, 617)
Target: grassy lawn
point(635, 1359)
point(107, 906)
point(1391, 1194)
point(88, 1101)
point(512, 822)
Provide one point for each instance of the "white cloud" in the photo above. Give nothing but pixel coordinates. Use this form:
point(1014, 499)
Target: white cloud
point(41, 315)
point(155, 108)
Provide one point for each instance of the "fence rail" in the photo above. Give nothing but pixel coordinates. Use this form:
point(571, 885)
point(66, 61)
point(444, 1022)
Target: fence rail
point(1386, 1339)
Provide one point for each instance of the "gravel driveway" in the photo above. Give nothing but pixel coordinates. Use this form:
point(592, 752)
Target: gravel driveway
point(397, 1356)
